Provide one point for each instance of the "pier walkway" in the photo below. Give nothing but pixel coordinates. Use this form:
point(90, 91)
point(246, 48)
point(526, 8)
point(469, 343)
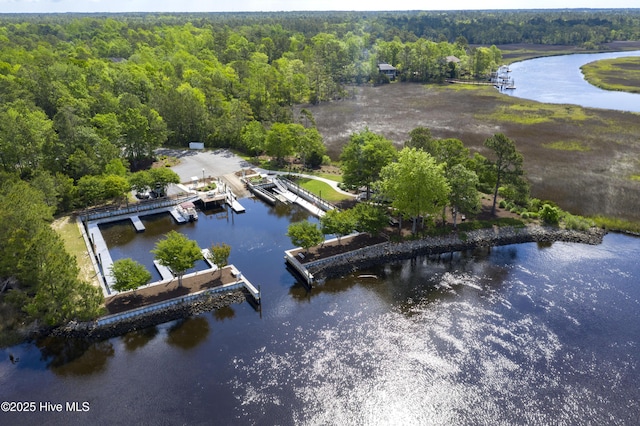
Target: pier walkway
point(235, 205)
point(102, 254)
point(137, 223)
point(165, 272)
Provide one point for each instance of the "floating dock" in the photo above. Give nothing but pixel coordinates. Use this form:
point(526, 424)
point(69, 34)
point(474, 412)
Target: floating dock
point(164, 271)
point(137, 223)
point(235, 205)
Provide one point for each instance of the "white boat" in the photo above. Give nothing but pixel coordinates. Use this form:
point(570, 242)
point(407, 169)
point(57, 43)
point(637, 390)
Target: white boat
point(188, 211)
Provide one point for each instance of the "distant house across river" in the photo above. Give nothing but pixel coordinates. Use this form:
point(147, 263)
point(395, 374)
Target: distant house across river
point(388, 70)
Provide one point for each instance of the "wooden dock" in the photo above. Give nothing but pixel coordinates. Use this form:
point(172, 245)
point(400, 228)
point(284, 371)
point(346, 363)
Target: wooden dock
point(137, 223)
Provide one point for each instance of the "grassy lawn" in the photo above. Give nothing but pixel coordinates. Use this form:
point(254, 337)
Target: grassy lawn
point(621, 74)
point(322, 189)
point(67, 228)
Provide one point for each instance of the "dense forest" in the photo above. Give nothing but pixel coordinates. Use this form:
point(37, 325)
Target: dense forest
point(86, 99)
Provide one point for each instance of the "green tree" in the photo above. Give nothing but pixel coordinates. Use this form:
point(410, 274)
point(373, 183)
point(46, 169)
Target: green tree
point(464, 196)
point(282, 138)
point(364, 157)
point(449, 152)
point(115, 187)
point(129, 275)
point(219, 255)
point(338, 223)
point(305, 234)
point(370, 218)
point(141, 181)
point(415, 184)
point(91, 190)
point(310, 147)
point(177, 252)
point(143, 129)
point(507, 165)
point(419, 138)
point(253, 137)
point(161, 177)
point(59, 295)
point(25, 133)
point(550, 214)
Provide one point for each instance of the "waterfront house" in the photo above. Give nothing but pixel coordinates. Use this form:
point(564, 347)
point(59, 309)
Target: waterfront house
point(389, 70)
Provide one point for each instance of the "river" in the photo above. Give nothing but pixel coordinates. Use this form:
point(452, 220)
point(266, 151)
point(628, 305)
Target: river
point(520, 334)
point(558, 80)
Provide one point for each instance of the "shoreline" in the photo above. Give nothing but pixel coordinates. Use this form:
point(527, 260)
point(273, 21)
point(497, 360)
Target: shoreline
point(388, 252)
point(92, 331)
point(327, 268)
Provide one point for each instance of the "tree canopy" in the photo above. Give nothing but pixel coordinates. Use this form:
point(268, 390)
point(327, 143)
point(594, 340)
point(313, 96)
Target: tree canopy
point(507, 164)
point(415, 184)
point(363, 157)
point(129, 274)
point(305, 234)
point(177, 252)
point(219, 255)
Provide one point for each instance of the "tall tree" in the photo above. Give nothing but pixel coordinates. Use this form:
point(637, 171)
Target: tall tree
point(363, 158)
point(338, 223)
point(415, 184)
point(305, 234)
point(219, 255)
point(129, 275)
point(507, 165)
point(419, 138)
point(177, 252)
point(253, 136)
point(464, 196)
point(161, 177)
point(281, 139)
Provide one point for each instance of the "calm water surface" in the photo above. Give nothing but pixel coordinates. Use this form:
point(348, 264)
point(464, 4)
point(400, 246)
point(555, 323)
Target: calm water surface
point(558, 80)
point(516, 335)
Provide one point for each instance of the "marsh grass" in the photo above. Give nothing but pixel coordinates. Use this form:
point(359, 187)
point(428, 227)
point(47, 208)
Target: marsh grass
point(616, 224)
point(566, 146)
point(584, 182)
point(536, 113)
point(620, 74)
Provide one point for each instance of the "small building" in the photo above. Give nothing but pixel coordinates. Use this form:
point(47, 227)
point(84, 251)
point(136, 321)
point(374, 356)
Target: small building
point(389, 70)
point(453, 59)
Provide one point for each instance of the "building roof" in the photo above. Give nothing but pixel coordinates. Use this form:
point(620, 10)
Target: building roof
point(386, 67)
point(453, 59)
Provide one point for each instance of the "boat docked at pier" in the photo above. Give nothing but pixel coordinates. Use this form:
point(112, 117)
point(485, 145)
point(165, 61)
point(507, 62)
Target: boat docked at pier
point(188, 211)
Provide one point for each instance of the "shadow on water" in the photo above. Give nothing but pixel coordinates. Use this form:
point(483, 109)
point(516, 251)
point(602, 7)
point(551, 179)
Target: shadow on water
point(75, 357)
point(188, 333)
point(223, 313)
point(139, 338)
point(294, 212)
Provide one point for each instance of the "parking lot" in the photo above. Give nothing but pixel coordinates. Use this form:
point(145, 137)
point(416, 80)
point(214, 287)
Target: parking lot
point(193, 163)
